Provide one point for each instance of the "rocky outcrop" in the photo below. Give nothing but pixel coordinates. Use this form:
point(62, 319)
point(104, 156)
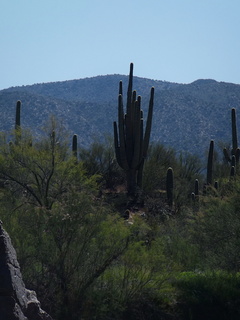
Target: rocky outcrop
point(16, 302)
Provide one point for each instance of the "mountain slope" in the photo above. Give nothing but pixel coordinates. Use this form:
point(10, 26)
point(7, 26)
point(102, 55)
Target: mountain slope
point(186, 116)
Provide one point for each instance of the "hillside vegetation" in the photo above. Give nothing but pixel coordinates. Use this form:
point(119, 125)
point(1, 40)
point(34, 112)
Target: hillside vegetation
point(93, 248)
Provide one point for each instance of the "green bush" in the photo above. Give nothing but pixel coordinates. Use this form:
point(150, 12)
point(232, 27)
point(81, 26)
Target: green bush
point(210, 295)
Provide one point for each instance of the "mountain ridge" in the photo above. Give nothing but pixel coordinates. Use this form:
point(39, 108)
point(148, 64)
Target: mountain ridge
point(186, 116)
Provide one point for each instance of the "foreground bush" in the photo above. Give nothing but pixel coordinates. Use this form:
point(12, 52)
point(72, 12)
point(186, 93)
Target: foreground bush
point(209, 295)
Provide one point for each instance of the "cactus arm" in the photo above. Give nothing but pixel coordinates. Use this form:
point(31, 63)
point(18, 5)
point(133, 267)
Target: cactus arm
point(129, 92)
point(122, 136)
point(148, 124)
point(120, 87)
point(129, 118)
point(232, 172)
point(233, 161)
point(137, 134)
point(116, 145)
point(226, 155)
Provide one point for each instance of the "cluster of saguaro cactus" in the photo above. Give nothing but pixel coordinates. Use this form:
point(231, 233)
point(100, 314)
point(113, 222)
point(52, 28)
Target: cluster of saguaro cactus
point(131, 143)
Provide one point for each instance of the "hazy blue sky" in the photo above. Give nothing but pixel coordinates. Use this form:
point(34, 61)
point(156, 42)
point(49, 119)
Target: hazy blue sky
point(172, 40)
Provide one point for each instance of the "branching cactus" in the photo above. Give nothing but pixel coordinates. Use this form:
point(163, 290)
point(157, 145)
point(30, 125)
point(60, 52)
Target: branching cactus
point(131, 142)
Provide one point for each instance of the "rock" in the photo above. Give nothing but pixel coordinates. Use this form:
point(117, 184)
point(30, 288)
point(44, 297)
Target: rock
point(16, 302)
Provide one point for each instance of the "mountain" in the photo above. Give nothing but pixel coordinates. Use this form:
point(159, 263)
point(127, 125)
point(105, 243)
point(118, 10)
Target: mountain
point(186, 116)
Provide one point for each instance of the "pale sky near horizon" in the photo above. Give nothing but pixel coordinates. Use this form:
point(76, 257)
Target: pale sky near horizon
point(172, 40)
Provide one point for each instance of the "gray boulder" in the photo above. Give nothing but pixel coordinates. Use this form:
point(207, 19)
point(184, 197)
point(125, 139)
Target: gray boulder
point(16, 302)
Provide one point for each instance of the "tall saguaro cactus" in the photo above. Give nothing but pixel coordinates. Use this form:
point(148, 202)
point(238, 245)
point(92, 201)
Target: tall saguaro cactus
point(74, 145)
point(234, 131)
point(18, 122)
point(169, 186)
point(131, 142)
point(235, 149)
point(210, 163)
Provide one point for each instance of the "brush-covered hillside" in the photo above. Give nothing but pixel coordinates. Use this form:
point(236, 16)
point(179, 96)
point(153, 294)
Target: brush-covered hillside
point(186, 116)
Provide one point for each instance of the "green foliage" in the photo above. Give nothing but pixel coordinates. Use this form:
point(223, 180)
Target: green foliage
point(86, 262)
point(128, 289)
point(158, 160)
point(62, 252)
point(217, 232)
point(209, 295)
point(100, 160)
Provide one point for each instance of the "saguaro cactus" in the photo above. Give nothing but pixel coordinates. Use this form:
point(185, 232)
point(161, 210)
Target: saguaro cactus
point(235, 149)
point(18, 115)
point(131, 143)
point(196, 187)
point(234, 132)
point(18, 122)
point(210, 163)
point(74, 145)
point(169, 186)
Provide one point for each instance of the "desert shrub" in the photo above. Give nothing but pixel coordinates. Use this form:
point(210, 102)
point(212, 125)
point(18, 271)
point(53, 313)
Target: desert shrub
point(210, 295)
point(136, 286)
point(100, 159)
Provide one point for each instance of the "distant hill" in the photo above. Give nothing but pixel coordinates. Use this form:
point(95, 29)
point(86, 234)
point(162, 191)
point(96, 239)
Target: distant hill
point(186, 116)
